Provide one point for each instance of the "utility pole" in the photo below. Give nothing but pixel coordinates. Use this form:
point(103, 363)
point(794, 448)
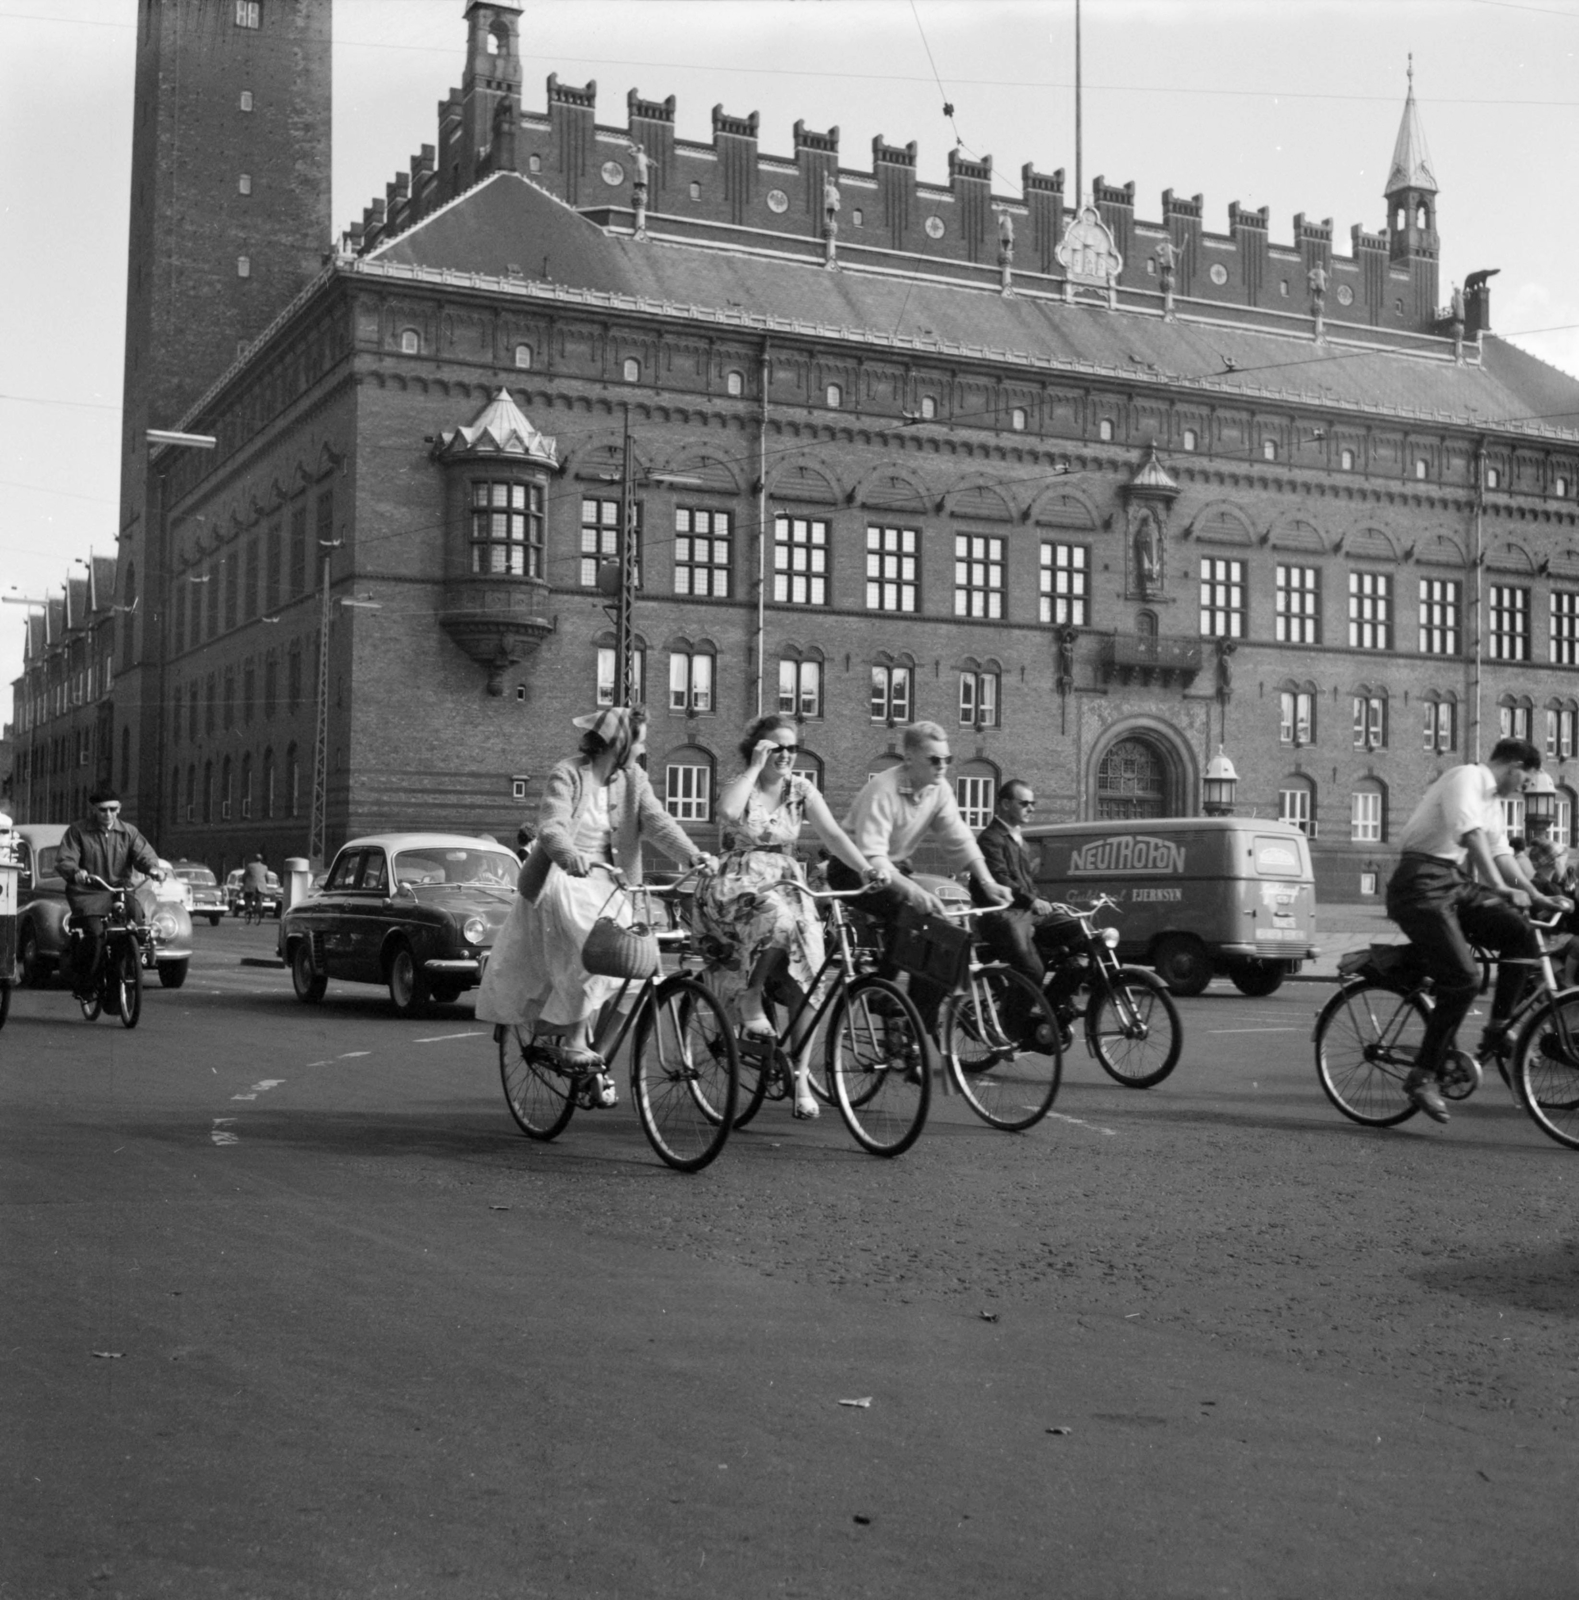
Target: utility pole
point(1080, 180)
point(624, 633)
point(315, 830)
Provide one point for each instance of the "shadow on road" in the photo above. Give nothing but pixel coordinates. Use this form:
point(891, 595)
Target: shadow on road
point(1535, 1280)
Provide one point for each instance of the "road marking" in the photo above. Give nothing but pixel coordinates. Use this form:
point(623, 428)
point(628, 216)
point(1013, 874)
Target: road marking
point(261, 1087)
point(439, 1038)
point(350, 1054)
point(1254, 1030)
point(1080, 1122)
point(218, 1133)
point(320, 1063)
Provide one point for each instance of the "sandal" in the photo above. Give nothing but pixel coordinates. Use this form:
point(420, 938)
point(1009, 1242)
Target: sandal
point(806, 1108)
point(758, 1028)
point(571, 1059)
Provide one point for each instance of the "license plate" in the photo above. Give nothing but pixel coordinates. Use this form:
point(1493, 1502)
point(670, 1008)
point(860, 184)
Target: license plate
point(1279, 933)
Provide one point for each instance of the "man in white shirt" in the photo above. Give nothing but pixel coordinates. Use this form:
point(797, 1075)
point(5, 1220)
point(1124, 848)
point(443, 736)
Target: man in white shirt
point(1434, 897)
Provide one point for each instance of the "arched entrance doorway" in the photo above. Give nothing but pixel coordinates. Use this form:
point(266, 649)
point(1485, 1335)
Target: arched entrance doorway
point(1134, 779)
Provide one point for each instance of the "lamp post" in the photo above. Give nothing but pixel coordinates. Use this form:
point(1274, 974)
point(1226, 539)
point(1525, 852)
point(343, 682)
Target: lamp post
point(1219, 786)
point(1540, 798)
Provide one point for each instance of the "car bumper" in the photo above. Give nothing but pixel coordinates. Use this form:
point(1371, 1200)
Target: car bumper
point(166, 953)
point(469, 964)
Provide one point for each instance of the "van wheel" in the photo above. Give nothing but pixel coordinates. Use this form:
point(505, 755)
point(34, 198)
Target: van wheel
point(1257, 978)
point(1183, 964)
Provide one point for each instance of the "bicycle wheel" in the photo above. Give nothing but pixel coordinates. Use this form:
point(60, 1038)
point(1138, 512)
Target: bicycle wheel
point(128, 981)
point(759, 1066)
point(878, 1060)
point(1367, 1042)
point(1000, 1039)
point(1133, 1028)
point(685, 1073)
point(540, 1099)
point(1546, 1067)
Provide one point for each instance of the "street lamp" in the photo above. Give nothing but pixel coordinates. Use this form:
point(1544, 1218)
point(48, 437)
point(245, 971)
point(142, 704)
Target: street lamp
point(1540, 798)
point(1218, 789)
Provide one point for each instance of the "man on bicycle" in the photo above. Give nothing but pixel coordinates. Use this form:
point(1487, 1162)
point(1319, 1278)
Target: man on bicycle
point(1434, 897)
point(254, 880)
point(101, 847)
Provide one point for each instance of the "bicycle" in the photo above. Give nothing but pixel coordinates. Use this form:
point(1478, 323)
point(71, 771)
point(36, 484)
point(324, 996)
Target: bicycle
point(1001, 1041)
point(117, 986)
point(684, 1066)
point(1367, 1040)
point(252, 907)
point(1132, 1025)
point(874, 1044)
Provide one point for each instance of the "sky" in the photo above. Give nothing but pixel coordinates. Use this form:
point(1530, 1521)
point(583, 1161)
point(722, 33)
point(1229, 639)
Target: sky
point(1292, 104)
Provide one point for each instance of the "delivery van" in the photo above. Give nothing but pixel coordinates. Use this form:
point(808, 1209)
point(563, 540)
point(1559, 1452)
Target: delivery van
point(1197, 896)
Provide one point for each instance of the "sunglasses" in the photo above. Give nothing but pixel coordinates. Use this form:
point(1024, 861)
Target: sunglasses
point(108, 811)
point(786, 750)
point(940, 761)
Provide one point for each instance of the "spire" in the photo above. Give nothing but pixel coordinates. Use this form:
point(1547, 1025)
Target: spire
point(1411, 168)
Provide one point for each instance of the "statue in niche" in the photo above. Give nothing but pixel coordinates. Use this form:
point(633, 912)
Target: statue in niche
point(830, 203)
point(1005, 236)
point(642, 161)
point(1066, 659)
point(1317, 278)
point(1225, 667)
point(1167, 258)
point(1148, 551)
point(1457, 304)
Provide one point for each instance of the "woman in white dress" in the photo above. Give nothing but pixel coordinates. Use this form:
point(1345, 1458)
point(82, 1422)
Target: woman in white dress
point(597, 807)
point(759, 931)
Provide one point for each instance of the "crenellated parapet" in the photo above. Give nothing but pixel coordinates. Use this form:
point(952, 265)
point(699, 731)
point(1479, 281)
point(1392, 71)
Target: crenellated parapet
point(730, 184)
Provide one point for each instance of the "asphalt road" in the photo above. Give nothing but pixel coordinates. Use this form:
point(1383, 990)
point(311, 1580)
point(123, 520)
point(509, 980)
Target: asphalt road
point(291, 1310)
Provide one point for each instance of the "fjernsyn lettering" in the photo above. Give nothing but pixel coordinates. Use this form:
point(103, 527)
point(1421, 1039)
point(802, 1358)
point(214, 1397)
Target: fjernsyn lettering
point(1136, 853)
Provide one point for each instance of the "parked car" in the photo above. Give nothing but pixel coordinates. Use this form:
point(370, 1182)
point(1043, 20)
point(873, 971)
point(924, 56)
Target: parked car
point(416, 911)
point(236, 896)
point(41, 919)
point(208, 899)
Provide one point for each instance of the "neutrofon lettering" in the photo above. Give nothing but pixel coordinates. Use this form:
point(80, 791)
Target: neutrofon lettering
point(1131, 853)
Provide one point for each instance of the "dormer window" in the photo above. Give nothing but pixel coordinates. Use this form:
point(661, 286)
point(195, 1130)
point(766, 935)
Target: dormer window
point(929, 408)
point(410, 342)
point(1105, 430)
point(834, 396)
point(1493, 478)
point(523, 357)
point(1269, 449)
point(631, 371)
point(1346, 461)
point(1017, 419)
point(1191, 441)
point(735, 382)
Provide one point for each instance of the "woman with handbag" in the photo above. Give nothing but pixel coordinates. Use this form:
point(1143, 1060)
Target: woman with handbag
point(597, 808)
point(757, 931)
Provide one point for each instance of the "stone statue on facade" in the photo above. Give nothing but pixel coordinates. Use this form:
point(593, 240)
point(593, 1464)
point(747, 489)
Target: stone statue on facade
point(830, 220)
point(643, 163)
point(1148, 551)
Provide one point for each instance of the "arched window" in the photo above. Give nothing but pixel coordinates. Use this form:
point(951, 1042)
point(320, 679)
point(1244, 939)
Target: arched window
point(1515, 715)
point(688, 784)
point(126, 757)
point(1563, 820)
point(226, 787)
point(1105, 430)
point(191, 792)
point(1423, 217)
point(929, 407)
point(1346, 460)
point(1017, 419)
point(1269, 449)
point(735, 382)
point(1420, 466)
point(268, 782)
point(208, 791)
point(1296, 803)
point(632, 370)
point(1132, 781)
point(293, 783)
point(175, 792)
point(410, 342)
point(246, 786)
point(523, 357)
point(1441, 721)
point(1191, 439)
point(128, 616)
point(834, 395)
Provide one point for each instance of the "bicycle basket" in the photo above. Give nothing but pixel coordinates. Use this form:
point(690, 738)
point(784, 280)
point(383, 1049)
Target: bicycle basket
point(1398, 966)
point(931, 947)
point(627, 952)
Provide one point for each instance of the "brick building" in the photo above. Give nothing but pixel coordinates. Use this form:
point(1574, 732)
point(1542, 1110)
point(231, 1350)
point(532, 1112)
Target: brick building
point(1098, 493)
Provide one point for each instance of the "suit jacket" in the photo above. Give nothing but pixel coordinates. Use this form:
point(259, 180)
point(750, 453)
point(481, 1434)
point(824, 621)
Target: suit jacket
point(1008, 862)
point(634, 812)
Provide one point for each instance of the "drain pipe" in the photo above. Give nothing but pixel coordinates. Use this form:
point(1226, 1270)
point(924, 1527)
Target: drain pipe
point(1473, 742)
point(762, 520)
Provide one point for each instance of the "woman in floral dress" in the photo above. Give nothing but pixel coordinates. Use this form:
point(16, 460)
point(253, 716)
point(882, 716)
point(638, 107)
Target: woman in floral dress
point(758, 931)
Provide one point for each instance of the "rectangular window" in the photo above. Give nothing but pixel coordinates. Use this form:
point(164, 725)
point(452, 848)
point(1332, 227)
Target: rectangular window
point(191, 712)
point(800, 561)
point(978, 576)
point(891, 695)
point(690, 683)
point(607, 682)
point(232, 571)
point(1513, 721)
point(293, 679)
point(701, 553)
point(1440, 725)
point(892, 569)
point(249, 691)
point(249, 597)
point(299, 565)
point(978, 700)
point(1298, 605)
point(507, 529)
point(800, 688)
point(600, 538)
point(271, 685)
point(1064, 584)
point(1293, 805)
point(1439, 616)
point(1365, 817)
point(1508, 633)
point(1222, 599)
point(1370, 611)
point(1560, 732)
point(1563, 823)
point(229, 717)
point(1565, 628)
point(688, 793)
point(211, 705)
point(271, 570)
point(976, 800)
point(1296, 717)
point(249, 13)
point(1370, 721)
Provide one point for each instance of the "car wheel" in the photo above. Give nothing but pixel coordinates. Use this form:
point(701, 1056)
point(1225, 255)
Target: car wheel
point(172, 974)
point(213, 921)
point(308, 982)
point(1183, 964)
point(408, 983)
point(28, 958)
point(1257, 978)
point(447, 993)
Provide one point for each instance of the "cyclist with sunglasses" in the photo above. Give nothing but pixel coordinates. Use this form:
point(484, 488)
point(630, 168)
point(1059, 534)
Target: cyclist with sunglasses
point(101, 847)
point(888, 821)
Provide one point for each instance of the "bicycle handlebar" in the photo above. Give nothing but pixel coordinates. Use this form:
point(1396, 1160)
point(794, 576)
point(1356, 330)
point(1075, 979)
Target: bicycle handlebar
point(1101, 902)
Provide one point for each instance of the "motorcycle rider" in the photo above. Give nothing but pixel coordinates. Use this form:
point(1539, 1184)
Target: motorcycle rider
point(101, 846)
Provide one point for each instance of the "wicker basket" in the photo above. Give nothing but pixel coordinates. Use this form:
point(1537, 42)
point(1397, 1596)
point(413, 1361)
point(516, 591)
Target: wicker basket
point(614, 951)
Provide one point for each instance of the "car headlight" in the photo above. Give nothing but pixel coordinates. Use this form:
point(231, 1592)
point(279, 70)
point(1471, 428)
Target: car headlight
point(1110, 938)
point(475, 930)
point(164, 926)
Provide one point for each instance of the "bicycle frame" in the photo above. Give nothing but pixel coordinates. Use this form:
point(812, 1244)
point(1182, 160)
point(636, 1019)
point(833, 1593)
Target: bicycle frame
point(1104, 958)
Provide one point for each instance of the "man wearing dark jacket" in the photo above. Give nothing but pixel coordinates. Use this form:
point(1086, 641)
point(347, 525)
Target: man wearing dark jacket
point(101, 847)
point(1012, 934)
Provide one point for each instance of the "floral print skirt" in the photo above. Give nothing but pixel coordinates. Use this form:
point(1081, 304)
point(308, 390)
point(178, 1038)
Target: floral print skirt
point(746, 909)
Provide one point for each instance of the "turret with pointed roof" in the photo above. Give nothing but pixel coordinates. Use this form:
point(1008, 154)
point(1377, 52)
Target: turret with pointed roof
point(1411, 206)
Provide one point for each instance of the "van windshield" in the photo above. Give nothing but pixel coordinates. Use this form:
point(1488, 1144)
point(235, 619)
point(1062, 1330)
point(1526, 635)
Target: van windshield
point(1277, 858)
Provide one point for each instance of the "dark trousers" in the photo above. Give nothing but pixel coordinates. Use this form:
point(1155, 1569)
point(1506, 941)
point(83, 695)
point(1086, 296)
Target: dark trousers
point(89, 952)
point(1442, 909)
point(883, 906)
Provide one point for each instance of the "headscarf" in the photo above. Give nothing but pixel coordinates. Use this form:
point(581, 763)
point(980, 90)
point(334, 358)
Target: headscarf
point(619, 727)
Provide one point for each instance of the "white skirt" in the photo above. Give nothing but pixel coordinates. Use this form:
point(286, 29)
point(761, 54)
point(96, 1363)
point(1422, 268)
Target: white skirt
point(535, 973)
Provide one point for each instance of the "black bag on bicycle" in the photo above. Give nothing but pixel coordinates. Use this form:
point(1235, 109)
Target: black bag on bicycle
point(1393, 966)
point(934, 948)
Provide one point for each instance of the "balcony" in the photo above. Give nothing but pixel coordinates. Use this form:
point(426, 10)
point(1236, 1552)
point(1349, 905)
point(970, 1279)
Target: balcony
point(1134, 658)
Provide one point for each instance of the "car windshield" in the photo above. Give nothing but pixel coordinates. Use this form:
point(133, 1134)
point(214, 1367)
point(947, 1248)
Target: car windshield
point(46, 860)
point(491, 869)
point(198, 875)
